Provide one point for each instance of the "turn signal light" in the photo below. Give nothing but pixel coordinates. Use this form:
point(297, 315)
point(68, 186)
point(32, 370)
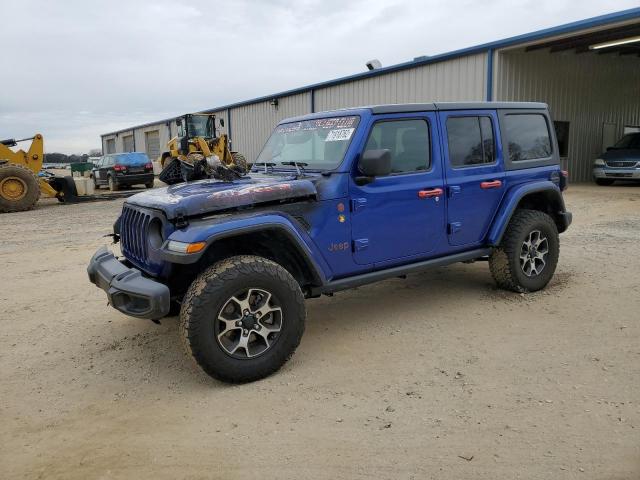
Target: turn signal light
point(182, 247)
point(195, 247)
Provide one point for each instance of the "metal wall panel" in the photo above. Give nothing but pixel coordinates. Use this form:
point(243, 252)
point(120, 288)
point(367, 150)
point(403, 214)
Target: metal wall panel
point(588, 90)
point(163, 137)
point(457, 79)
point(252, 124)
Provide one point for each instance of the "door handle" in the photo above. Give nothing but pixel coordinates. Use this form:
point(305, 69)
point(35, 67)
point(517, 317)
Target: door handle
point(434, 192)
point(491, 184)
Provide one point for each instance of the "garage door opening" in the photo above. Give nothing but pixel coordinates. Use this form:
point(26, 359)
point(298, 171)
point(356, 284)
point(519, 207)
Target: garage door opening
point(591, 82)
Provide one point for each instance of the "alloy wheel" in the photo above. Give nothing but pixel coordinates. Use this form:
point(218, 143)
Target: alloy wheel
point(249, 323)
point(533, 253)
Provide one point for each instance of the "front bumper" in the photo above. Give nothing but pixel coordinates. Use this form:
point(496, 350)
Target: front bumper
point(127, 290)
point(617, 173)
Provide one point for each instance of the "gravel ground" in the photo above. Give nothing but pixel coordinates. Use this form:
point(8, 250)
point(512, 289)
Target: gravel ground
point(440, 375)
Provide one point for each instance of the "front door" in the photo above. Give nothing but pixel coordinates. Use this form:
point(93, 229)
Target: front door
point(474, 172)
point(401, 216)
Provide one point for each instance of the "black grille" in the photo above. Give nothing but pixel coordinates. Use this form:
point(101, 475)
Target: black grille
point(621, 163)
point(134, 226)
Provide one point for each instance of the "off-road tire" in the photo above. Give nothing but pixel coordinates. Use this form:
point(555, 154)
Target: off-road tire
point(113, 186)
point(504, 261)
point(240, 161)
point(604, 182)
point(211, 290)
point(12, 200)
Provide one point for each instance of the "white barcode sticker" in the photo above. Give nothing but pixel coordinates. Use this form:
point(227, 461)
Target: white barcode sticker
point(339, 135)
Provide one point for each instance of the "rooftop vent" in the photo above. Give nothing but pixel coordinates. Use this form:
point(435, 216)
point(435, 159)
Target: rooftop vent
point(421, 58)
point(374, 64)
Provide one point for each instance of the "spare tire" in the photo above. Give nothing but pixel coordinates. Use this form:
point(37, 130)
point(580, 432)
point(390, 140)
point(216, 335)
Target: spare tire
point(19, 188)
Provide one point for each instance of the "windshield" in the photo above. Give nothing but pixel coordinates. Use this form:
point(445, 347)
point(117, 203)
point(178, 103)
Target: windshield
point(200, 126)
point(631, 140)
point(318, 144)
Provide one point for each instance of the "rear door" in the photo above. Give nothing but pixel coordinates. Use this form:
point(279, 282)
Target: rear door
point(474, 170)
point(401, 216)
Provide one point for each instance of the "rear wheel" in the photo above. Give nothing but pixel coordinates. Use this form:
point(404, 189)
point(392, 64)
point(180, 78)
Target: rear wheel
point(19, 188)
point(113, 186)
point(604, 182)
point(527, 256)
point(242, 318)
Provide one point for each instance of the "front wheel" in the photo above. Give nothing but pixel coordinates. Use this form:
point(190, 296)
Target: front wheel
point(242, 318)
point(527, 256)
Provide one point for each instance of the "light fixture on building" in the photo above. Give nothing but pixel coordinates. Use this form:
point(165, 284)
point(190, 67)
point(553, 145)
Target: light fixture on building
point(614, 43)
point(274, 103)
point(374, 64)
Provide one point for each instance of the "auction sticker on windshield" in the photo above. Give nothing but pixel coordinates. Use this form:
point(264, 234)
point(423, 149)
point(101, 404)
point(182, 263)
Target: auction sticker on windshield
point(339, 135)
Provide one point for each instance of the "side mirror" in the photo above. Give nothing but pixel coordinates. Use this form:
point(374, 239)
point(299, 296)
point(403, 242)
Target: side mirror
point(374, 163)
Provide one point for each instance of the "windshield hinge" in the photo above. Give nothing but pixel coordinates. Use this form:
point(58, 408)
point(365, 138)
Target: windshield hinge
point(181, 221)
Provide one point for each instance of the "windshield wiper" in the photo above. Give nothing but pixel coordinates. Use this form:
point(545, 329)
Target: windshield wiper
point(266, 165)
point(299, 166)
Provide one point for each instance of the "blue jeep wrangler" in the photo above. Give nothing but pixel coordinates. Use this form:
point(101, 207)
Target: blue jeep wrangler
point(334, 201)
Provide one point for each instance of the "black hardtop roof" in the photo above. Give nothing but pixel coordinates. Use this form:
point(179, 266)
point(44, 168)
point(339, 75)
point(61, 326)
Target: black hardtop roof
point(422, 107)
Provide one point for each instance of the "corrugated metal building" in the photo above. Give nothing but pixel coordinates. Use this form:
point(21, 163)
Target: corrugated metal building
point(587, 71)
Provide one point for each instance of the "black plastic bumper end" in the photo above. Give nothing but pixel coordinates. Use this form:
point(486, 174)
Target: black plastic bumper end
point(127, 290)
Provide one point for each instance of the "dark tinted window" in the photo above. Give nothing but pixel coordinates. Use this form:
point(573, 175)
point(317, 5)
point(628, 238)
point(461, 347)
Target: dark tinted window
point(630, 140)
point(408, 142)
point(470, 141)
point(527, 136)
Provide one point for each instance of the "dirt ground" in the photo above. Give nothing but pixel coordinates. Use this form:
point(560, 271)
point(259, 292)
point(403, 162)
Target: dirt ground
point(440, 375)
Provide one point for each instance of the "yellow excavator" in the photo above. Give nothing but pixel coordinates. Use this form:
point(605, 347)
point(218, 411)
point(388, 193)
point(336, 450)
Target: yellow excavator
point(197, 151)
point(20, 185)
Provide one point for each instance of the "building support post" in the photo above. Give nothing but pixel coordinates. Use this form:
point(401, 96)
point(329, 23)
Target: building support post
point(489, 75)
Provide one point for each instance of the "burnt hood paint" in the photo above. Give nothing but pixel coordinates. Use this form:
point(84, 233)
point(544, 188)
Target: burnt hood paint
point(206, 196)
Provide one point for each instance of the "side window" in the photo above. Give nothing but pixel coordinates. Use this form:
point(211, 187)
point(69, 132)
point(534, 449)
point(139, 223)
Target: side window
point(407, 140)
point(527, 136)
point(471, 141)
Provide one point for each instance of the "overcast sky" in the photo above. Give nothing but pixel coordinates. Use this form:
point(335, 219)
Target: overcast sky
point(74, 69)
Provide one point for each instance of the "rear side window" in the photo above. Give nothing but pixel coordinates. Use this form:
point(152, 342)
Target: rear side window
point(470, 141)
point(407, 140)
point(527, 136)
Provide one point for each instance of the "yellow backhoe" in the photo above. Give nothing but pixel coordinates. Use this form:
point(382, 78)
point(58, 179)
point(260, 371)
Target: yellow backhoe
point(20, 185)
point(200, 152)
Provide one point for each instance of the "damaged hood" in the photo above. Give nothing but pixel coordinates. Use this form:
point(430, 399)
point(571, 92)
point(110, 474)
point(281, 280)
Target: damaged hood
point(206, 196)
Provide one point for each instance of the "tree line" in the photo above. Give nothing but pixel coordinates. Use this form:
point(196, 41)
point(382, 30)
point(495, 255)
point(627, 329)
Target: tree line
point(73, 158)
